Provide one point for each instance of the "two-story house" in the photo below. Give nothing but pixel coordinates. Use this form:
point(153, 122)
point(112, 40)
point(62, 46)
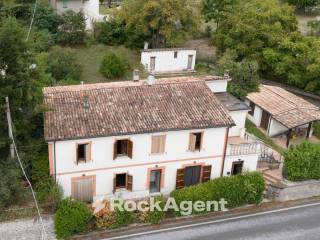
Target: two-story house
point(136, 138)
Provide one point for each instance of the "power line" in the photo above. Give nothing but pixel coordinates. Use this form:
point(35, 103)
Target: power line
point(32, 19)
point(43, 230)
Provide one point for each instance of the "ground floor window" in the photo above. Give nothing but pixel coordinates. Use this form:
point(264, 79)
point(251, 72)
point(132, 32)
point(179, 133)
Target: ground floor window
point(122, 181)
point(155, 181)
point(237, 168)
point(192, 175)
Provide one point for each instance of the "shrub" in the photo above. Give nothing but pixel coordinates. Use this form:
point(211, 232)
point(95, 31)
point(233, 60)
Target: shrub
point(107, 219)
point(113, 65)
point(62, 64)
point(316, 129)
point(156, 216)
point(302, 162)
point(110, 32)
point(70, 218)
point(42, 40)
point(72, 31)
point(237, 190)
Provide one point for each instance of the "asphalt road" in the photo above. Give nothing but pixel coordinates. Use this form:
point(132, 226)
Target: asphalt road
point(294, 223)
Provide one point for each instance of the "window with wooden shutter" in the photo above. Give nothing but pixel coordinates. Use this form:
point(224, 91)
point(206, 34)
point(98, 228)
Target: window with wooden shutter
point(180, 178)
point(83, 152)
point(122, 147)
point(129, 182)
point(158, 144)
point(252, 108)
point(206, 173)
point(195, 141)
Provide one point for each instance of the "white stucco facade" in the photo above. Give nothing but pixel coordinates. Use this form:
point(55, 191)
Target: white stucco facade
point(256, 117)
point(90, 8)
point(239, 117)
point(218, 86)
point(168, 60)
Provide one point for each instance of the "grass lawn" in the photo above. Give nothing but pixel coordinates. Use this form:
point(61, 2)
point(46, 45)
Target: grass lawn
point(251, 128)
point(91, 57)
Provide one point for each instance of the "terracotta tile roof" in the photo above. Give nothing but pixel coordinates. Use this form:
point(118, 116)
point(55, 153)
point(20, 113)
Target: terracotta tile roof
point(123, 108)
point(286, 107)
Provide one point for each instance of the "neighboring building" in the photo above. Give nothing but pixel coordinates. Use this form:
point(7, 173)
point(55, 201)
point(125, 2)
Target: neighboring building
point(90, 8)
point(280, 112)
point(136, 138)
point(169, 60)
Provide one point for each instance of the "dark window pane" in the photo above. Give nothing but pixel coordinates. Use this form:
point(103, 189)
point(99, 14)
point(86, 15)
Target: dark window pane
point(122, 147)
point(81, 151)
point(192, 175)
point(121, 180)
point(198, 140)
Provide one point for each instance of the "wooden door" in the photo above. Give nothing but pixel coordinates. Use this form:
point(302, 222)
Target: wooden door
point(265, 120)
point(82, 189)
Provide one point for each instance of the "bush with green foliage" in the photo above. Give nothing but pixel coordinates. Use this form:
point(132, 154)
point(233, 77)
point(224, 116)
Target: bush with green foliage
point(303, 4)
point(122, 218)
point(302, 162)
point(113, 65)
point(62, 64)
point(71, 217)
point(72, 31)
point(238, 190)
point(110, 32)
point(155, 217)
point(316, 129)
point(11, 189)
point(42, 40)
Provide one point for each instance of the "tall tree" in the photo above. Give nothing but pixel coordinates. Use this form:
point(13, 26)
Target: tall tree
point(303, 4)
point(217, 9)
point(163, 22)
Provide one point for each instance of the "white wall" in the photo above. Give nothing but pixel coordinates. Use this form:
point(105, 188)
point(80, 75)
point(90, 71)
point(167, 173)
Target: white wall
point(90, 9)
point(239, 117)
point(250, 163)
point(165, 61)
point(104, 167)
point(218, 85)
point(256, 118)
point(276, 128)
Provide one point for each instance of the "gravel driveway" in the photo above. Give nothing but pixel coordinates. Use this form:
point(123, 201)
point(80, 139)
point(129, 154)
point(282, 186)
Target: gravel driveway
point(26, 229)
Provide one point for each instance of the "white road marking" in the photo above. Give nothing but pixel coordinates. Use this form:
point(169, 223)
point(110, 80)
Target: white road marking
point(211, 222)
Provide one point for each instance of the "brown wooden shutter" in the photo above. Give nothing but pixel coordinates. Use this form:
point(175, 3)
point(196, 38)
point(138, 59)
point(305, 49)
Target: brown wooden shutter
point(114, 184)
point(192, 142)
point(129, 182)
point(88, 152)
point(77, 157)
point(154, 144)
point(206, 173)
point(115, 150)
point(162, 148)
point(180, 178)
point(130, 148)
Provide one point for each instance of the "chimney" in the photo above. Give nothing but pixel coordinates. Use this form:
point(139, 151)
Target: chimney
point(146, 45)
point(136, 75)
point(151, 79)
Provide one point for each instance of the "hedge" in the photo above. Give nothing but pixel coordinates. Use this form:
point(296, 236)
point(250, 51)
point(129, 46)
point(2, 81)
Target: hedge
point(302, 162)
point(237, 190)
point(71, 217)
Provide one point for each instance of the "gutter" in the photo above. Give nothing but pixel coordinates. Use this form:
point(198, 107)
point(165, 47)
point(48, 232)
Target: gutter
point(54, 162)
point(224, 151)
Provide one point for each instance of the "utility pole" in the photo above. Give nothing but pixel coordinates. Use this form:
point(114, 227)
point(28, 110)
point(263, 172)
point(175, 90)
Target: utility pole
point(10, 127)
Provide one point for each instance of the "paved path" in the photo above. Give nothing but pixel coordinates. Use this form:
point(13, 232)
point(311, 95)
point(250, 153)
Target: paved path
point(25, 229)
point(294, 224)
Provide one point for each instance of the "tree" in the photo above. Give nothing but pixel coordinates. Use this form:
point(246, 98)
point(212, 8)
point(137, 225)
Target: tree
point(162, 22)
point(18, 81)
point(216, 9)
point(113, 66)
point(63, 65)
point(255, 25)
point(72, 30)
point(303, 4)
point(244, 74)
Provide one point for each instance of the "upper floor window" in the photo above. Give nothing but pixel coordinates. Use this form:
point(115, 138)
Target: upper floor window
point(158, 144)
point(122, 147)
point(195, 141)
point(175, 54)
point(83, 152)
